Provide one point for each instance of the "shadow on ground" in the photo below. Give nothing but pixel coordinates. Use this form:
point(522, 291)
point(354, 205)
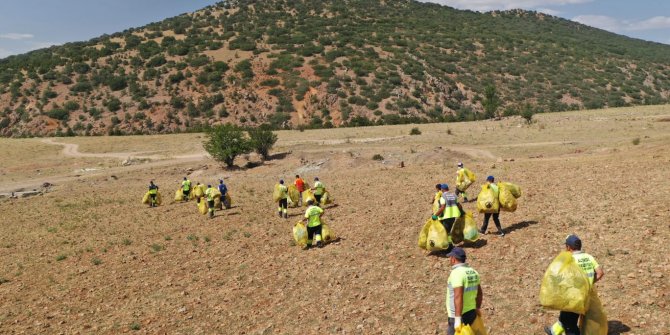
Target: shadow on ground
point(616, 327)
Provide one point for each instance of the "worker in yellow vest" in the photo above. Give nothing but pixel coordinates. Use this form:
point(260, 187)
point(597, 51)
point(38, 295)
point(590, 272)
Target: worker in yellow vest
point(464, 292)
point(319, 189)
point(462, 176)
point(283, 200)
point(313, 215)
point(153, 192)
point(568, 322)
point(490, 180)
point(209, 194)
point(449, 209)
point(185, 189)
point(438, 194)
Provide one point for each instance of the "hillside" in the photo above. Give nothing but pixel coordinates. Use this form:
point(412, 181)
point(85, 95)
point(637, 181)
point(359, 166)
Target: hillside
point(322, 64)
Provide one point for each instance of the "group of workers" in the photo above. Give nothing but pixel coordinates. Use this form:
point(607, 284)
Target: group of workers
point(314, 210)
point(464, 292)
point(448, 208)
point(465, 295)
point(187, 187)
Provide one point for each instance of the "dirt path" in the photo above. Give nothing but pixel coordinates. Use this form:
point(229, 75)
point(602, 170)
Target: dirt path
point(72, 150)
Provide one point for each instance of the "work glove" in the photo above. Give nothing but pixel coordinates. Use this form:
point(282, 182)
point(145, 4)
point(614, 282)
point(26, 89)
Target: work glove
point(457, 322)
point(434, 217)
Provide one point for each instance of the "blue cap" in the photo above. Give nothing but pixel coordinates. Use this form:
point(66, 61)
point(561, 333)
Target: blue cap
point(490, 178)
point(458, 253)
point(573, 242)
point(220, 180)
point(208, 185)
point(444, 186)
point(281, 181)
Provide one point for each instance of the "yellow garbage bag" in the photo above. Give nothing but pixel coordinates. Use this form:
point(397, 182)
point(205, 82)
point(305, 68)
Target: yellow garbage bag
point(326, 199)
point(327, 234)
point(436, 202)
point(159, 198)
point(227, 201)
point(307, 195)
point(487, 201)
point(470, 232)
point(513, 188)
point(300, 234)
point(478, 326)
point(423, 235)
point(217, 198)
point(293, 196)
point(145, 198)
point(506, 199)
point(276, 194)
point(470, 175)
point(179, 195)
point(564, 286)
point(437, 237)
point(456, 232)
point(202, 206)
point(464, 330)
point(199, 191)
point(594, 321)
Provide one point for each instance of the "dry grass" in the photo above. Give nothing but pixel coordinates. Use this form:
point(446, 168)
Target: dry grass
point(89, 258)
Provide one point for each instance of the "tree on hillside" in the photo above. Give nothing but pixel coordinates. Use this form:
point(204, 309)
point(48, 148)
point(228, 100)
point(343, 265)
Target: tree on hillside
point(491, 101)
point(262, 140)
point(225, 143)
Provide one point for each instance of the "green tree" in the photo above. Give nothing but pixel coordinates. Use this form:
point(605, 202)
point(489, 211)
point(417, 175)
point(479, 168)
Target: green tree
point(225, 142)
point(262, 140)
point(491, 101)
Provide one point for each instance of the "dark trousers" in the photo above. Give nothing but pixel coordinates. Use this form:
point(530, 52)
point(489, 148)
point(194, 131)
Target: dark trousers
point(570, 322)
point(458, 192)
point(496, 220)
point(467, 318)
point(283, 203)
point(153, 199)
point(312, 232)
point(186, 193)
point(318, 199)
point(448, 224)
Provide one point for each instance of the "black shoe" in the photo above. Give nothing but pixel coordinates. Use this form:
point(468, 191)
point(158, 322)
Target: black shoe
point(547, 330)
point(482, 232)
point(279, 214)
point(319, 244)
point(501, 234)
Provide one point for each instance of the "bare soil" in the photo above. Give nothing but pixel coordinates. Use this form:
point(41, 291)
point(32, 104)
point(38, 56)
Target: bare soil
point(89, 258)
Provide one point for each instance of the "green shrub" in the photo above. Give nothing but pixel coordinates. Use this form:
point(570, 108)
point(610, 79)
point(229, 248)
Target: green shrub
point(415, 131)
point(225, 142)
point(262, 140)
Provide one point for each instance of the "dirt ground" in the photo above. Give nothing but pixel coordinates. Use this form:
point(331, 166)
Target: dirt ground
point(89, 258)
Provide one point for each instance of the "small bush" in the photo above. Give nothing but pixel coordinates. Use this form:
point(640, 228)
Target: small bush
point(636, 141)
point(96, 261)
point(135, 325)
point(61, 258)
point(377, 157)
point(415, 131)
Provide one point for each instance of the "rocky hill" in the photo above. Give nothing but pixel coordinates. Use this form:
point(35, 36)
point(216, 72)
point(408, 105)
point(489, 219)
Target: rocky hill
point(323, 64)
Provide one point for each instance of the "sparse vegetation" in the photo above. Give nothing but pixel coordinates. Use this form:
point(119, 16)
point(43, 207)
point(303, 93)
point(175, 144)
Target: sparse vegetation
point(497, 62)
point(378, 157)
point(262, 140)
point(224, 143)
point(636, 141)
point(415, 131)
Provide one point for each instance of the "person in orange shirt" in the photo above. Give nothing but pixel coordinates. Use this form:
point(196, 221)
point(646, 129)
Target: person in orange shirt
point(300, 185)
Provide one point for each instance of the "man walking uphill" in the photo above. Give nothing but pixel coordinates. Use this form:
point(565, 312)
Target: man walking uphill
point(283, 200)
point(314, 228)
point(568, 322)
point(186, 188)
point(464, 292)
point(463, 181)
point(490, 180)
point(153, 192)
point(319, 189)
point(300, 185)
point(449, 209)
point(209, 194)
